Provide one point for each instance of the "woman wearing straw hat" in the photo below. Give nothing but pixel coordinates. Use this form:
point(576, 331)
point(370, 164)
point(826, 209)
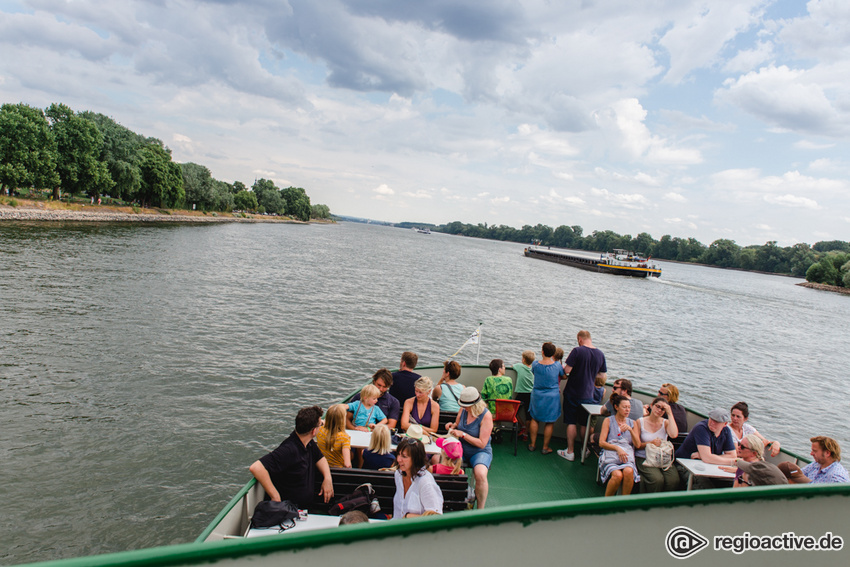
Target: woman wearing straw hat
point(473, 427)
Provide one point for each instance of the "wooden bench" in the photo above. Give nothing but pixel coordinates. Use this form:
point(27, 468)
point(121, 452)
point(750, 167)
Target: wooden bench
point(455, 488)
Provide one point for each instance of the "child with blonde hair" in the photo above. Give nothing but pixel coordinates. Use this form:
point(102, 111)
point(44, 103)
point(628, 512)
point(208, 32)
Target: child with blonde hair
point(451, 457)
point(364, 413)
point(332, 439)
point(379, 455)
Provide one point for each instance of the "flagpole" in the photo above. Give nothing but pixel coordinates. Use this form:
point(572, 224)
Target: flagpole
point(478, 356)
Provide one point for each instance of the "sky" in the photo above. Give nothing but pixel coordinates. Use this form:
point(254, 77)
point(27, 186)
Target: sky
point(705, 119)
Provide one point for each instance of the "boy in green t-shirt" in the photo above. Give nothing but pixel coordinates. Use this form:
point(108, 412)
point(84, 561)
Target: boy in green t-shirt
point(498, 386)
point(524, 385)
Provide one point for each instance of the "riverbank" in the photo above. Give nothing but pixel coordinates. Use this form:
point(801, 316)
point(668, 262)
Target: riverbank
point(825, 287)
point(49, 211)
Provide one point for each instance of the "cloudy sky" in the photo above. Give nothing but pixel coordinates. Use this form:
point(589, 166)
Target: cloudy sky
point(712, 119)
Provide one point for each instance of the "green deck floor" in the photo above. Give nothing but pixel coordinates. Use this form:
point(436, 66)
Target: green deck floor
point(533, 477)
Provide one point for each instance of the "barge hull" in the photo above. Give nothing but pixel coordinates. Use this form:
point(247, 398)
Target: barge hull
point(591, 264)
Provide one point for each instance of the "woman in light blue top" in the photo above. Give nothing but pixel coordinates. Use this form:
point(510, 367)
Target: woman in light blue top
point(448, 389)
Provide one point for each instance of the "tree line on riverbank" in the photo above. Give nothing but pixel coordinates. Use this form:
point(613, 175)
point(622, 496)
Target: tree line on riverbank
point(826, 262)
point(89, 154)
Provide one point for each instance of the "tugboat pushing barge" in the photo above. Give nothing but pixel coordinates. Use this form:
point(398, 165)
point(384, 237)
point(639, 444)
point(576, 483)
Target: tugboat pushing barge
point(620, 262)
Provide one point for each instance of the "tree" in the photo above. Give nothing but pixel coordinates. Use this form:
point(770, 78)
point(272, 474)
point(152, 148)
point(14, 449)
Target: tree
point(121, 150)
point(198, 185)
point(722, 252)
point(245, 201)
point(237, 186)
point(297, 203)
point(320, 212)
point(823, 272)
point(268, 196)
point(27, 148)
point(801, 257)
point(161, 179)
point(78, 144)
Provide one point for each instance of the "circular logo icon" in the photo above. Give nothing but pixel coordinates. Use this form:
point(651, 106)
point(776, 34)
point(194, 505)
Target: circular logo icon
point(683, 542)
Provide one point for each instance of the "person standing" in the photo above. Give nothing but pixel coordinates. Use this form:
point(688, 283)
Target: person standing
point(545, 401)
point(583, 364)
point(404, 378)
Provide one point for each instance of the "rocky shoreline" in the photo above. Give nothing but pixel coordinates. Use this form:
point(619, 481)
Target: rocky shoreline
point(8, 213)
point(825, 287)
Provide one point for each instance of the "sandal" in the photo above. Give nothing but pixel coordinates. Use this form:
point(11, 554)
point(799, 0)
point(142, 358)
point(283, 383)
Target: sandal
point(531, 447)
point(546, 452)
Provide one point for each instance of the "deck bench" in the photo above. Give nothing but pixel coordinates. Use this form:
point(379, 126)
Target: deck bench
point(455, 488)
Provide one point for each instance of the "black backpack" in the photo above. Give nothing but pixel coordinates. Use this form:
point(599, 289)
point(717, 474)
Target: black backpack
point(360, 499)
point(268, 514)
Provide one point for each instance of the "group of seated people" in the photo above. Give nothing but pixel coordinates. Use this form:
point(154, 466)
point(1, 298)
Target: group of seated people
point(724, 439)
point(402, 400)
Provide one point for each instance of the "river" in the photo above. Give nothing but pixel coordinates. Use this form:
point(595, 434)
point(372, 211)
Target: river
point(143, 368)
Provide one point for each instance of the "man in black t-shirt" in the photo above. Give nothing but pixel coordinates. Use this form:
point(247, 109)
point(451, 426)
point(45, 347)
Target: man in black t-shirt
point(289, 472)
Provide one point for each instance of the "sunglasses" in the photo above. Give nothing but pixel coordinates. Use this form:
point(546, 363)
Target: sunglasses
point(660, 393)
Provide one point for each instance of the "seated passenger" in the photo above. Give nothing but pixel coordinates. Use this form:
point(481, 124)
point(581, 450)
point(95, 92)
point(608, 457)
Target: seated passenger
point(416, 491)
point(365, 413)
point(379, 455)
point(332, 439)
point(289, 472)
point(421, 409)
point(383, 381)
point(793, 473)
point(623, 388)
point(658, 426)
point(448, 389)
point(618, 438)
point(825, 468)
point(498, 386)
point(451, 457)
point(599, 388)
point(750, 450)
point(740, 428)
point(710, 441)
point(671, 393)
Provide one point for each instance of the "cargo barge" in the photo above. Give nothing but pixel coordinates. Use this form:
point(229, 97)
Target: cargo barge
point(620, 262)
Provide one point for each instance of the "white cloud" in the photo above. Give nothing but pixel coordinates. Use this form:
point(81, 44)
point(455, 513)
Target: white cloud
point(384, 190)
point(675, 197)
point(789, 200)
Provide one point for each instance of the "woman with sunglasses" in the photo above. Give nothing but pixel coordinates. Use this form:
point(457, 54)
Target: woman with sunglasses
point(655, 428)
point(750, 449)
point(671, 393)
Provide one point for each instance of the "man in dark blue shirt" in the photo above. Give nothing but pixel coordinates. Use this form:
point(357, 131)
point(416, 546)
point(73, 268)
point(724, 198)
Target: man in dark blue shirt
point(583, 364)
point(710, 440)
point(403, 379)
point(289, 472)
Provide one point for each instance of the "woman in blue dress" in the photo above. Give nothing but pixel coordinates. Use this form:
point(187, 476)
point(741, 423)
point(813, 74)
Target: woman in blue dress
point(545, 405)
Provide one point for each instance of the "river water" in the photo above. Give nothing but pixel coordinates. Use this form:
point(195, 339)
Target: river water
point(143, 368)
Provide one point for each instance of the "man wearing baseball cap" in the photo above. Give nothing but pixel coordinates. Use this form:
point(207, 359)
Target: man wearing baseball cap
point(711, 442)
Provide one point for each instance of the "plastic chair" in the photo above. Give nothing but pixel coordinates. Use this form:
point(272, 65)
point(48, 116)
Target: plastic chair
point(506, 411)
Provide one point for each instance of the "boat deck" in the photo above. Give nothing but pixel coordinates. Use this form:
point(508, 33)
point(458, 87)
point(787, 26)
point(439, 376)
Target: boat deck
point(532, 477)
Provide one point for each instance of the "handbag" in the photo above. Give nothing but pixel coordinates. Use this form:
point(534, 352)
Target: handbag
point(361, 499)
point(269, 514)
point(659, 456)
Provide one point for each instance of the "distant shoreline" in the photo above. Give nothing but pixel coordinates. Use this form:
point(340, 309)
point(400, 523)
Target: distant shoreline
point(49, 212)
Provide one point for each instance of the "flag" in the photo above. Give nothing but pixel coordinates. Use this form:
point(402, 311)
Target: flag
point(474, 339)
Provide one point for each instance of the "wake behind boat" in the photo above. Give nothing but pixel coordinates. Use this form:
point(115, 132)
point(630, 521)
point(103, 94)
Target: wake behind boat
point(620, 262)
